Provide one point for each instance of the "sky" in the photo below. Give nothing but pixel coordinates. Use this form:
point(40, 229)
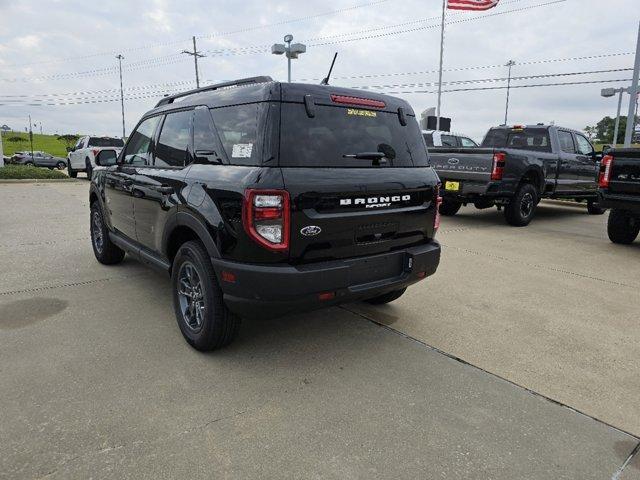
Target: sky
point(57, 58)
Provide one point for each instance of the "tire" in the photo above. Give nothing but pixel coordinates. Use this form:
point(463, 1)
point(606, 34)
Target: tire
point(70, 171)
point(622, 227)
point(192, 275)
point(104, 249)
point(594, 208)
point(61, 165)
point(386, 297)
point(88, 168)
point(29, 164)
point(520, 210)
point(449, 208)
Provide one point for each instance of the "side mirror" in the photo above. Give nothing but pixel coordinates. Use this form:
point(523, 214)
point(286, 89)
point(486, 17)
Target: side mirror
point(106, 158)
point(70, 149)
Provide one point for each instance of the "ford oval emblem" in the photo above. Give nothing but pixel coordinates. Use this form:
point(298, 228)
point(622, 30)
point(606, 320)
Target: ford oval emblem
point(453, 161)
point(310, 230)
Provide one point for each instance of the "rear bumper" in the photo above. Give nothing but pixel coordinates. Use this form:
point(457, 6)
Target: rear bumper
point(629, 203)
point(471, 190)
point(269, 291)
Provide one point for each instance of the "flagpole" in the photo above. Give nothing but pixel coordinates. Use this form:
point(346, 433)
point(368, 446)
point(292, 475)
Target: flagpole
point(444, 7)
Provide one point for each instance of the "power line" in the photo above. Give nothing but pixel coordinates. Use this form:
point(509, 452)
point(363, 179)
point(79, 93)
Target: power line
point(212, 35)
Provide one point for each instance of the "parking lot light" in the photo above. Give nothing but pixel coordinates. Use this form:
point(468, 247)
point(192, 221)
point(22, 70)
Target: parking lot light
point(291, 51)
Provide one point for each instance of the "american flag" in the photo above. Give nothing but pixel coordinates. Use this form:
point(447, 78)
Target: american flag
point(471, 4)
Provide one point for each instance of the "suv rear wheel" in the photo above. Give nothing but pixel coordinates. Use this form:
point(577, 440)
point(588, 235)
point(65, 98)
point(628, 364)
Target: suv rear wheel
point(88, 168)
point(72, 173)
point(104, 249)
point(203, 318)
point(622, 227)
point(386, 297)
point(449, 208)
point(522, 207)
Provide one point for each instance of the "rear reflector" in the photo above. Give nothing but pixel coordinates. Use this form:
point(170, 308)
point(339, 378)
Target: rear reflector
point(605, 171)
point(357, 101)
point(436, 220)
point(497, 170)
point(229, 277)
point(326, 296)
point(421, 274)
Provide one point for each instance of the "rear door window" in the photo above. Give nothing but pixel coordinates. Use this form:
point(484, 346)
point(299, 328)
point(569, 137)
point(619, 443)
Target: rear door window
point(428, 138)
point(448, 141)
point(467, 142)
point(566, 142)
point(173, 144)
point(322, 141)
point(237, 127)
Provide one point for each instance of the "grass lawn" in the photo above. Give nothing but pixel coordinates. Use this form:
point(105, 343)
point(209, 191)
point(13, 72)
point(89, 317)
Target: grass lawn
point(23, 172)
point(45, 143)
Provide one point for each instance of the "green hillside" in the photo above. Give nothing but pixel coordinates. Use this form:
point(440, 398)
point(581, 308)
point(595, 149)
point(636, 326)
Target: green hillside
point(46, 143)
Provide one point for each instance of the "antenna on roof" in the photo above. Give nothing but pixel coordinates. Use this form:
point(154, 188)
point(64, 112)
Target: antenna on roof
point(325, 80)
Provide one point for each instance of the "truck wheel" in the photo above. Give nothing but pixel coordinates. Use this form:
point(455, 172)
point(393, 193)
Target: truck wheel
point(594, 208)
point(622, 227)
point(449, 208)
point(88, 168)
point(72, 173)
point(61, 165)
point(386, 297)
point(520, 210)
point(104, 249)
point(203, 318)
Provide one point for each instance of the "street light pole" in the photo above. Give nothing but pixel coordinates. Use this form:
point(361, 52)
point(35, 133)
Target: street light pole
point(444, 9)
point(617, 124)
point(31, 136)
point(633, 91)
point(196, 54)
point(291, 51)
point(509, 64)
point(120, 57)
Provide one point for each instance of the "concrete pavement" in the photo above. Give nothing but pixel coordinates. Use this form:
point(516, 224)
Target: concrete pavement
point(97, 381)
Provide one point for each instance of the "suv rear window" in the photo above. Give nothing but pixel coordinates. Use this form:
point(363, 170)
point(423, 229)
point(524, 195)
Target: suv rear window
point(237, 127)
point(105, 142)
point(322, 141)
point(526, 139)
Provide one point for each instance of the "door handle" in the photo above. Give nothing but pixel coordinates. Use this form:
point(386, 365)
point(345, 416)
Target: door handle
point(165, 189)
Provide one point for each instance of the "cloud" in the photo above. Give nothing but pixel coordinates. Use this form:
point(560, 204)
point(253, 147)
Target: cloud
point(27, 41)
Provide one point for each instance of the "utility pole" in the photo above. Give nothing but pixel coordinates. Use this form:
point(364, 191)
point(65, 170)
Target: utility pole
point(31, 136)
point(617, 124)
point(444, 9)
point(120, 57)
point(196, 54)
point(509, 64)
point(633, 91)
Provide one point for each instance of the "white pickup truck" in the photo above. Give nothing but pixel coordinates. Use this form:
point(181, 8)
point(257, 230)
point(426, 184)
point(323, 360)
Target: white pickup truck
point(81, 158)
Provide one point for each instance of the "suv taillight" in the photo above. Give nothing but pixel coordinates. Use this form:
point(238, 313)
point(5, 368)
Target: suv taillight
point(497, 169)
point(95, 152)
point(266, 217)
point(605, 171)
point(436, 219)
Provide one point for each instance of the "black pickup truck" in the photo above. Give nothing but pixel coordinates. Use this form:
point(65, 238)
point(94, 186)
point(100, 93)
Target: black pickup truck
point(261, 198)
point(620, 191)
point(515, 167)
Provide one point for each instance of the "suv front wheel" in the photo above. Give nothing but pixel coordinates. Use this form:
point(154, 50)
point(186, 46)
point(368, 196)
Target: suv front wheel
point(203, 318)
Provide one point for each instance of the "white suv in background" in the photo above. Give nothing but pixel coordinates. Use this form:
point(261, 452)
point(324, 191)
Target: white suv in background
point(81, 158)
point(438, 138)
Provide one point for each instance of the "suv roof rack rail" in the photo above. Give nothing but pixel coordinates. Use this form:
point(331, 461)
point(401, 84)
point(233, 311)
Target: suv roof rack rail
point(234, 83)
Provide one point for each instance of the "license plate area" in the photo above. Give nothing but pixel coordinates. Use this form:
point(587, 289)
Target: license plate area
point(373, 269)
point(451, 186)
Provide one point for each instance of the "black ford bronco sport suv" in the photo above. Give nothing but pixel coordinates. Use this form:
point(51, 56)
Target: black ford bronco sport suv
point(262, 198)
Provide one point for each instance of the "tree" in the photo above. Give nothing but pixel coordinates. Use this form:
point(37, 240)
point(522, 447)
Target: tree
point(605, 127)
point(590, 131)
point(16, 139)
point(69, 139)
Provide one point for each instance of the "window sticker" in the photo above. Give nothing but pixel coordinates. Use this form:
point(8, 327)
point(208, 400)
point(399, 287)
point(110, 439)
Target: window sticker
point(361, 113)
point(242, 150)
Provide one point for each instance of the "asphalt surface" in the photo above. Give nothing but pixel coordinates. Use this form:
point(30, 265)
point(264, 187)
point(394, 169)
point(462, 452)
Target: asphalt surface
point(97, 382)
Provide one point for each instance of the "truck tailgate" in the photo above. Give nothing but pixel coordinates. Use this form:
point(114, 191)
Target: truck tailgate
point(625, 175)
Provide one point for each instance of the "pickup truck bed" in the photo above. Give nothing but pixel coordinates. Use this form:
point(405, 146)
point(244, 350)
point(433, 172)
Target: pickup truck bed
point(516, 168)
point(620, 191)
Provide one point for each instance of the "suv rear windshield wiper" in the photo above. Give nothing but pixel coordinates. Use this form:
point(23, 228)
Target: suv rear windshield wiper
point(365, 155)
